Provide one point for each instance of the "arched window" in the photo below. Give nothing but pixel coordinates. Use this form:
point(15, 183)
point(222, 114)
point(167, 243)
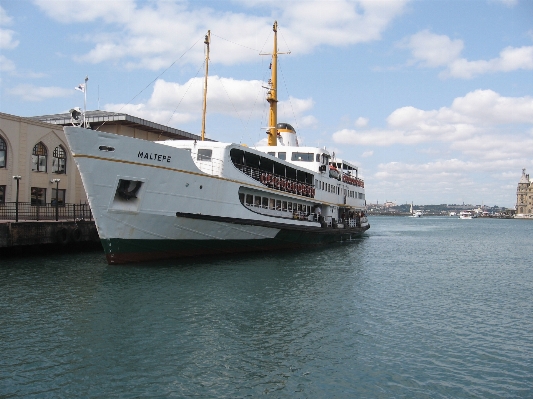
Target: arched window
point(3, 153)
point(59, 160)
point(38, 158)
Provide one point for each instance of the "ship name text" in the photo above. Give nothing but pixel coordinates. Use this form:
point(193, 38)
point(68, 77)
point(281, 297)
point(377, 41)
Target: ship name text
point(154, 157)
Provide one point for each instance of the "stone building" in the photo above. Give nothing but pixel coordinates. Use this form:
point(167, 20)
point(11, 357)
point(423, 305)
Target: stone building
point(524, 196)
point(36, 150)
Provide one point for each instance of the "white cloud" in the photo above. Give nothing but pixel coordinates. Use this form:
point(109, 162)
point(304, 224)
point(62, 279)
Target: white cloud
point(168, 29)
point(367, 154)
point(6, 65)
point(361, 122)
point(510, 59)
point(431, 50)
point(7, 36)
point(28, 92)
point(176, 103)
point(490, 130)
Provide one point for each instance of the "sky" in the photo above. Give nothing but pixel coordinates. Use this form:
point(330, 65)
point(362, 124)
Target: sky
point(433, 100)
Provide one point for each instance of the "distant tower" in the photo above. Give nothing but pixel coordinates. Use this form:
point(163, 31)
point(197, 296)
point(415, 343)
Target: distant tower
point(523, 206)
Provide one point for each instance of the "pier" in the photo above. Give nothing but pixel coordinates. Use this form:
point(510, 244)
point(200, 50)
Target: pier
point(25, 227)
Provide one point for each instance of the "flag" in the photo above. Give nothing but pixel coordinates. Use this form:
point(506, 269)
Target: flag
point(81, 87)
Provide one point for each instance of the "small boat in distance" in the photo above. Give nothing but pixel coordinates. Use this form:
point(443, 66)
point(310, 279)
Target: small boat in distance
point(467, 215)
point(175, 198)
point(415, 213)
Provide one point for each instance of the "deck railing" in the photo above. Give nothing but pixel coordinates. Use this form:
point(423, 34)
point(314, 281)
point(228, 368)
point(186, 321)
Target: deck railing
point(27, 211)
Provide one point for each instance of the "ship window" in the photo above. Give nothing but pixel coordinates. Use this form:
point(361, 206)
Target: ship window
point(271, 153)
point(2, 194)
point(249, 199)
point(317, 158)
point(284, 206)
point(302, 156)
point(278, 205)
point(257, 201)
point(282, 155)
point(289, 206)
point(272, 203)
point(204, 154)
point(265, 202)
point(241, 198)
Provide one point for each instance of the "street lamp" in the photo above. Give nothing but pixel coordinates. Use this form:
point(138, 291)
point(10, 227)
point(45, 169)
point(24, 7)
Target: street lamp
point(56, 181)
point(17, 178)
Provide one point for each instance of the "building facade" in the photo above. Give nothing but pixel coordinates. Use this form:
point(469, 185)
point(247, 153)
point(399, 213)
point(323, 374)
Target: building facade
point(524, 196)
point(36, 150)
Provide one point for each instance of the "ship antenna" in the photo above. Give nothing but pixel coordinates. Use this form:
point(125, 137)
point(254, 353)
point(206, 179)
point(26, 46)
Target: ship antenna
point(206, 42)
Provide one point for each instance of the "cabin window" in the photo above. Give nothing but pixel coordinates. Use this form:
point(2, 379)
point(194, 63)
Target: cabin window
point(2, 194)
point(265, 202)
point(241, 198)
point(282, 155)
point(272, 204)
point(38, 158)
point(278, 205)
point(302, 156)
point(3, 153)
point(257, 202)
point(289, 206)
point(38, 196)
point(204, 154)
point(317, 158)
point(284, 206)
point(249, 199)
point(271, 153)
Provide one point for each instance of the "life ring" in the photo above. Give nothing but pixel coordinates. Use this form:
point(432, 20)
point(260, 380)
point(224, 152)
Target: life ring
point(62, 236)
point(75, 234)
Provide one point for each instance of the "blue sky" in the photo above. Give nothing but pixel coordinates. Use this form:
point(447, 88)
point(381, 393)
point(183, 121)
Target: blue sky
point(432, 99)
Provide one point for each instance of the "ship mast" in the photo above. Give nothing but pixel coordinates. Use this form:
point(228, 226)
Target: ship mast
point(272, 95)
point(206, 42)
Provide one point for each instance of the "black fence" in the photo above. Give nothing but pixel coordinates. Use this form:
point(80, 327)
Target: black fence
point(27, 211)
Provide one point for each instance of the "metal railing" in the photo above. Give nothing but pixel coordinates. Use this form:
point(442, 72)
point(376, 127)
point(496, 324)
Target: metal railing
point(27, 211)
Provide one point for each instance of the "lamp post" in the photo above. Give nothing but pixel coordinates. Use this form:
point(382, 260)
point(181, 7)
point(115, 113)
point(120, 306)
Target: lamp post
point(17, 178)
point(56, 181)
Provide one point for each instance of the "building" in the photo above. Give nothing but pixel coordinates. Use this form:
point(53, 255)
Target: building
point(524, 197)
point(36, 150)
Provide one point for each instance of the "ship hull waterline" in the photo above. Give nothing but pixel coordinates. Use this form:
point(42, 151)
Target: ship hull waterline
point(122, 251)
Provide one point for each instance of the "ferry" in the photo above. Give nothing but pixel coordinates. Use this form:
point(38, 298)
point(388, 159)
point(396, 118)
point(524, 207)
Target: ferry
point(177, 198)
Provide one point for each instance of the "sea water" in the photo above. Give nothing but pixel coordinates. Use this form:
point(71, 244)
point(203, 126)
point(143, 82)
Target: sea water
point(417, 308)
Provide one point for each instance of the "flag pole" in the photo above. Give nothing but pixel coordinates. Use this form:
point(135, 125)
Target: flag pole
point(85, 103)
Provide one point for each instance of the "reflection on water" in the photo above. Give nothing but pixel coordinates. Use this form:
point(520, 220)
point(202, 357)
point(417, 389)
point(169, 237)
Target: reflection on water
point(417, 308)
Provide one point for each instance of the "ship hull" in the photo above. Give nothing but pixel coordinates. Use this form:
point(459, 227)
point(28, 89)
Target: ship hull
point(151, 201)
point(120, 251)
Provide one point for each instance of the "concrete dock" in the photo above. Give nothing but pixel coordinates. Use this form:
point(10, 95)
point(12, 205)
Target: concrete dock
point(17, 237)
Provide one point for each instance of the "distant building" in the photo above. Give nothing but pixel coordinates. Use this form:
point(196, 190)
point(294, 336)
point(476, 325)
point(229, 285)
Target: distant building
point(36, 150)
point(524, 197)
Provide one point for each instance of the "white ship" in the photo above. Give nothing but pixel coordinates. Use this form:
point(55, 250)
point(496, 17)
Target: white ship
point(154, 200)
